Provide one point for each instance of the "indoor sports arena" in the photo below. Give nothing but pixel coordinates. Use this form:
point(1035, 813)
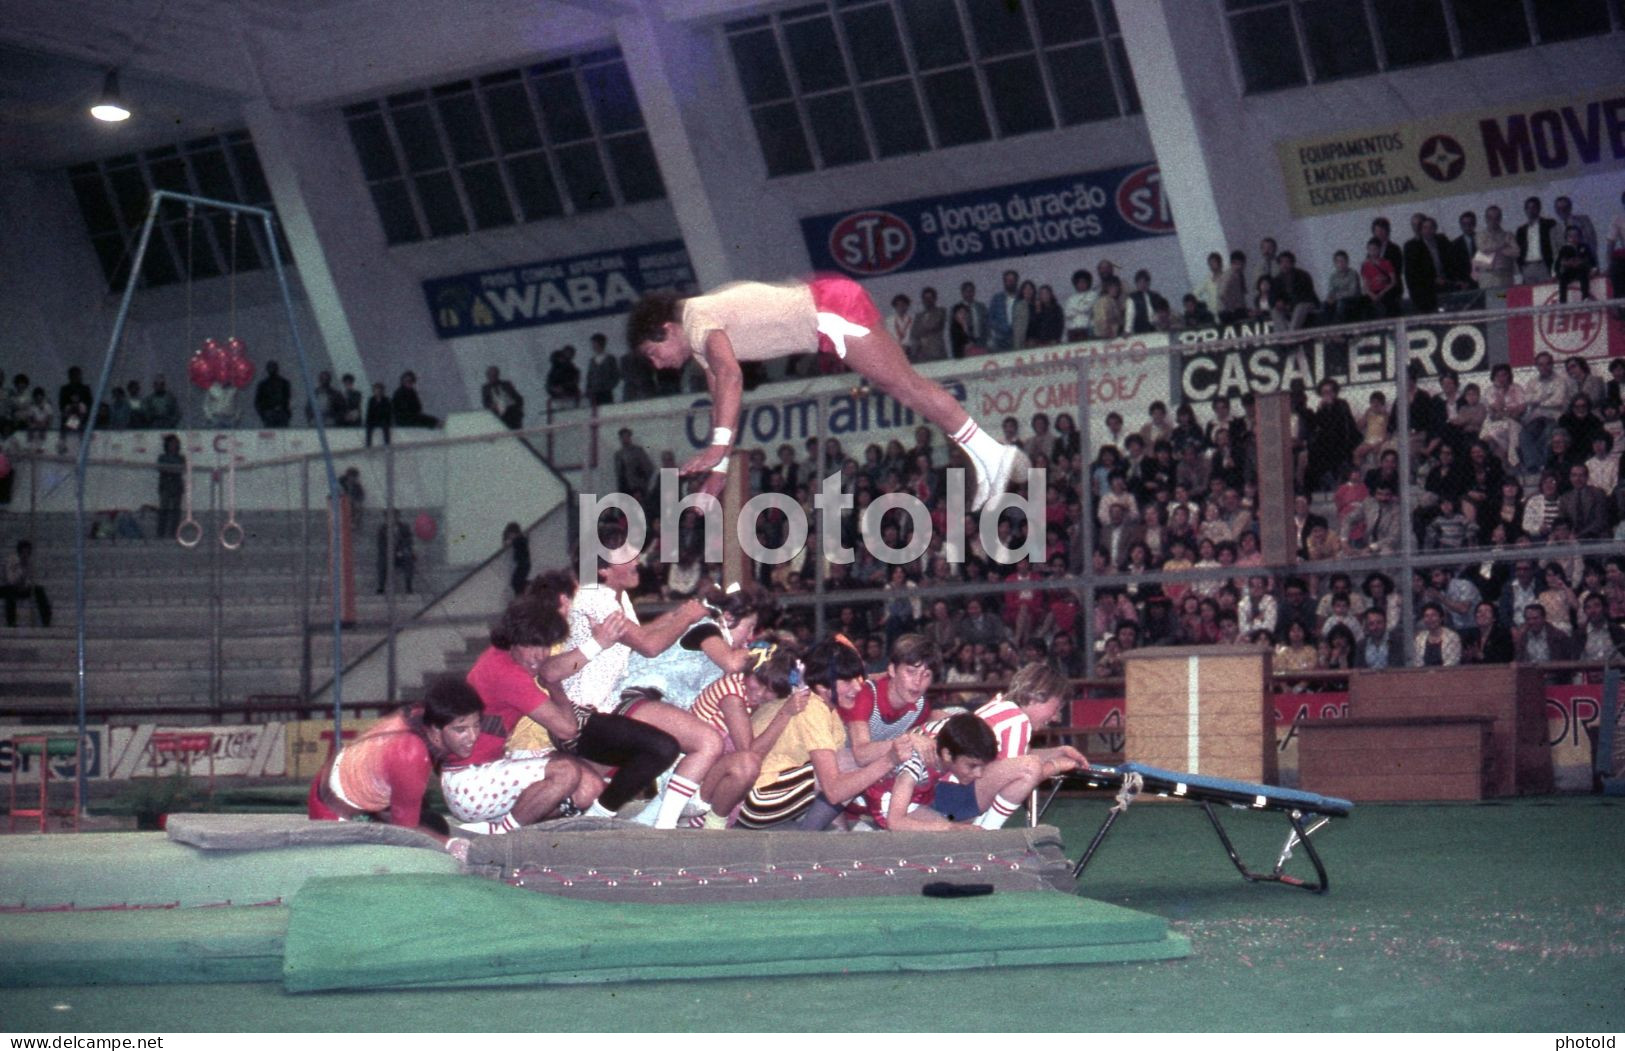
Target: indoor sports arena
point(773, 514)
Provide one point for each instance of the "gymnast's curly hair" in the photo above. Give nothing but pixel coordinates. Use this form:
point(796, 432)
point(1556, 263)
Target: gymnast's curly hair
point(448, 698)
point(647, 321)
point(532, 619)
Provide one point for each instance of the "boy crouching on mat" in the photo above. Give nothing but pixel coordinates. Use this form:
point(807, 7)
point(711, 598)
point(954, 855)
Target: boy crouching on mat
point(802, 764)
point(1034, 699)
point(963, 747)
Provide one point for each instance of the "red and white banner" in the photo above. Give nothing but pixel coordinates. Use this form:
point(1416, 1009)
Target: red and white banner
point(1584, 334)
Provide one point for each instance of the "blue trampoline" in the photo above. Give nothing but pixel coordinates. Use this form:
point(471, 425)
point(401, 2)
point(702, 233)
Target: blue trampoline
point(1306, 813)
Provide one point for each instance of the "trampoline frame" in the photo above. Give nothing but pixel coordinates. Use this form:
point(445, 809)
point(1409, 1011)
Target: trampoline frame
point(1304, 822)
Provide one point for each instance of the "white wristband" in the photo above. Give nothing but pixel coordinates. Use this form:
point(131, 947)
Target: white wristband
point(590, 648)
point(721, 467)
point(722, 436)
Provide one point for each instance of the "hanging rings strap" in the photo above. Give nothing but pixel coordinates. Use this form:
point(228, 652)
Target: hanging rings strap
point(231, 534)
point(189, 533)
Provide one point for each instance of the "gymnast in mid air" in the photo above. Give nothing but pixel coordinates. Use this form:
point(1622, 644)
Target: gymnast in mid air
point(754, 321)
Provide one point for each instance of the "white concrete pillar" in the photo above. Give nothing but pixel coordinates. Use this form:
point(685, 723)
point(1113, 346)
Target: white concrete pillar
point(733, 224)
point(285, 155)
point(1196, 116)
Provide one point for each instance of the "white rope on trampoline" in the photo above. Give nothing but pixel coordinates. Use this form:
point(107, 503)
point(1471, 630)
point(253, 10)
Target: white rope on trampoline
point(1132, 784)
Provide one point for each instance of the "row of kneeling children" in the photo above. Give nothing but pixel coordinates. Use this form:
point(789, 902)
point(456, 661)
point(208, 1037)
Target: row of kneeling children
point(578, 708)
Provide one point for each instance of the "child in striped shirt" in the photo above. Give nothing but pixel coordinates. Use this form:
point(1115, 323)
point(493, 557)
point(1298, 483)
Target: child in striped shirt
point(1033, 699)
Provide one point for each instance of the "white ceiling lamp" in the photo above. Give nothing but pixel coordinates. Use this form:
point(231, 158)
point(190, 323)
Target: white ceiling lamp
point(110, 105)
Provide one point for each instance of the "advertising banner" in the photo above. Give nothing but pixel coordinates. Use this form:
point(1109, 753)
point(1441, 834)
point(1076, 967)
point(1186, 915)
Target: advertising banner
point(1455, 153)
point(26, 767)
point(1234, 371)
point(1126, 375)
point(999, 222)
point(1589, 334)
point(554, 290)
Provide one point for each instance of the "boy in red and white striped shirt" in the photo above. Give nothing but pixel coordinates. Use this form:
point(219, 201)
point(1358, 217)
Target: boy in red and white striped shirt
point(1034, 699)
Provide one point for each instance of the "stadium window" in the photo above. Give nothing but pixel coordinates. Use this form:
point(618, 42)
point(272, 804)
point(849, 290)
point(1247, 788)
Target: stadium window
point(1337, 36)
point(557, 138)
point(1571, 19)
point(1411, 33)
point(1288, 43)
point(845, 81)
point(114, 194)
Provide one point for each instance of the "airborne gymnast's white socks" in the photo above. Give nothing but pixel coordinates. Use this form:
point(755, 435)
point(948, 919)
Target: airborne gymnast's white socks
point(978, 445)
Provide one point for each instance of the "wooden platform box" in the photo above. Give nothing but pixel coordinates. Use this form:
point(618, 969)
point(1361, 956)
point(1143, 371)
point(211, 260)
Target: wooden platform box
point(1513, 697)
point(1201, 710)
point(1402, 759)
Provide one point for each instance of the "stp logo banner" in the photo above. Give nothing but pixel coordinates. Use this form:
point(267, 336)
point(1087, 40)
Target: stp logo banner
point(1017, 219)
point(1582, 334)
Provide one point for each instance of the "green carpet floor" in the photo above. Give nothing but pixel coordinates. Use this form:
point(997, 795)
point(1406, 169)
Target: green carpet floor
point(1495, 917)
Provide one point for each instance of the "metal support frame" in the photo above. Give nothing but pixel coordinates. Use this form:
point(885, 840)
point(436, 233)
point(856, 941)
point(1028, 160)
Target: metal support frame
point(1303, 824)
point(104, 380)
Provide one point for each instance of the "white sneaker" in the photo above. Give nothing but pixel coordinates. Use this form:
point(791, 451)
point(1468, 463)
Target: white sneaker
point(1011, 466)
point(489, 828)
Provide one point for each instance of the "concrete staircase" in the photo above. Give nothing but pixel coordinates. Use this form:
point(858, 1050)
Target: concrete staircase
point(150, 616)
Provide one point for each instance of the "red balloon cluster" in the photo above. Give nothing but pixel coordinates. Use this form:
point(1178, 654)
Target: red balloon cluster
point(215, 362)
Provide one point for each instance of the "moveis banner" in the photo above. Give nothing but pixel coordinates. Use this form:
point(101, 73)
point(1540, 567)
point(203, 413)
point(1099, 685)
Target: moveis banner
point(1455, 153)
point(1017, 219)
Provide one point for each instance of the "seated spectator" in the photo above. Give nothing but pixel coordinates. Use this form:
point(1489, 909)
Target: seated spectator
point(1576, 264)
point(1488, 641)
point(1337, 649)
point(1436, 645)
point(1195, 314)
point(1541, 510)
point(1108, 310)
point(407, 406)
point(1080, 305)
point(1538, 642)
point(21, 584)
point(1297, 649)
point(1584, 507)
point(564, 376)
point(1293, 299)
point(1380, 280)
point(1598, 638)
point(1345, 300)
point(1378, 648)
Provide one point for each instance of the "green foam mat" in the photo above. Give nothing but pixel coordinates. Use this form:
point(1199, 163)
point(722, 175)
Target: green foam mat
point(427, 930)
point(157, 946)
point(146, 869)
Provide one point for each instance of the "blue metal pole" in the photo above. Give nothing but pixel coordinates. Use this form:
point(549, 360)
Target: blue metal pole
point(80, 466)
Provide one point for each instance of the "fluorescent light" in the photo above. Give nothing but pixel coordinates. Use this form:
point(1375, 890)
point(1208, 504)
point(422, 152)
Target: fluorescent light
point(110, 105)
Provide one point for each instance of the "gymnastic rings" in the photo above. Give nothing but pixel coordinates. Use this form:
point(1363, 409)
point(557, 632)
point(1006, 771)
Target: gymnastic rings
point(231, 534)
point(190, 532)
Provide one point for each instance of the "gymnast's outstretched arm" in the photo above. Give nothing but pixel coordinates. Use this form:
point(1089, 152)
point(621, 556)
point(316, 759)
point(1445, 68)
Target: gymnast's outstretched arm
point(726, 383)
